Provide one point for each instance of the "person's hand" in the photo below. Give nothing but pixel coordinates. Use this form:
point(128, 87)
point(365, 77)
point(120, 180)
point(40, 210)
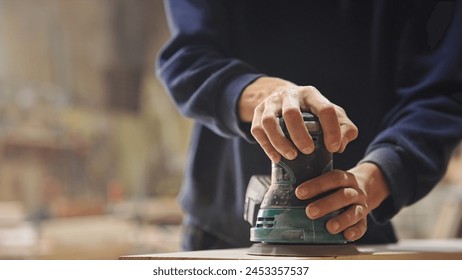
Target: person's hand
point(273, 98)
point(358, 192)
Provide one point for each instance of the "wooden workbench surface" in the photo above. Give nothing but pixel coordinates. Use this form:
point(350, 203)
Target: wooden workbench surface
point(422, 249)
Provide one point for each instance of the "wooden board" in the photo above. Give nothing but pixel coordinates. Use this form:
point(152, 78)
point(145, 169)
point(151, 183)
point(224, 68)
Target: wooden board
point(450, 249)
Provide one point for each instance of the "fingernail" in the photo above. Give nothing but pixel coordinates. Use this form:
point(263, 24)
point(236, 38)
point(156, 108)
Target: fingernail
point(301, 193)
point(307, 150)
point(291, 155)
point(351, 235)
point(313, 210)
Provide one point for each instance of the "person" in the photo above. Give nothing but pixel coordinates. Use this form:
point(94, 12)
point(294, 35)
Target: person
point(386, 74)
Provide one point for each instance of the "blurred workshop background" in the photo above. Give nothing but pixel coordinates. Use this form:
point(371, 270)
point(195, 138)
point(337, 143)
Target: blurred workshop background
point(92, 150)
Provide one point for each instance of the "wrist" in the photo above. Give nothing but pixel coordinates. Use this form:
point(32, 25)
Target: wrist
point(256, 92)
point(373, 183)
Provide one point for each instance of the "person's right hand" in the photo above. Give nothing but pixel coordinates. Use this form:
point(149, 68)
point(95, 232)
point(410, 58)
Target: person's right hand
point(275, 98)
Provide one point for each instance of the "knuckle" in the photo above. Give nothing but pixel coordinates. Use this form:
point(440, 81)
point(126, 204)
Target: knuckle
point(354, 134)
point(256, 130)
point(291, 113)
point(266, 146)
point(326, 108)
point(292, 92)
point(340, 110)
point(352, 131)
point(268, 120)
point(275, 96)
point(339, 177)
point(359, 211)
point(348, 217)
point(310, 88)
point(337, 173)
point(282, 93)
point(350, 178)
point(350, 194)
point(259, 108)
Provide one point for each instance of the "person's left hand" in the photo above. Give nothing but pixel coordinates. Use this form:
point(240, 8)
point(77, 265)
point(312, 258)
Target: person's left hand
point(357, 191)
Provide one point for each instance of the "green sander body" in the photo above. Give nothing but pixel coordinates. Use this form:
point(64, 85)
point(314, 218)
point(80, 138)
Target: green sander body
point(277, 215)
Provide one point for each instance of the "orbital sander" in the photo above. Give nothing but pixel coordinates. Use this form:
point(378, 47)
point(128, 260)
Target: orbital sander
point(280, 224)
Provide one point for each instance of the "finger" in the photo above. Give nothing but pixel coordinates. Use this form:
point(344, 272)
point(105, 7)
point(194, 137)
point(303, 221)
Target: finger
point(346, 219)
point(327, 181)
point(326, 112)
point(259, 134)
point(348, 129)
point(356, 231)
point(274, 133)
point(294, 122)
point(332, 202)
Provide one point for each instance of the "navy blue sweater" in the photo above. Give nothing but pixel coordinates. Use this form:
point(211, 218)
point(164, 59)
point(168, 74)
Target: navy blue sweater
point(395, 66)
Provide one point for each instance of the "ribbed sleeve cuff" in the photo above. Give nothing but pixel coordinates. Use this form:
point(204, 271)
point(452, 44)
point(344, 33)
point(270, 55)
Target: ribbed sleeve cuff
point(229, 106)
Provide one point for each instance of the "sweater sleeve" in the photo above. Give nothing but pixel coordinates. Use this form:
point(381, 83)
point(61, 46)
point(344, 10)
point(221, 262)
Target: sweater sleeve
point(198, 70)
point(424, 128)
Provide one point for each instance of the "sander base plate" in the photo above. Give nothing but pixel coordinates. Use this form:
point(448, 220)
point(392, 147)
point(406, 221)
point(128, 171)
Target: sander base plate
point(303, 250)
